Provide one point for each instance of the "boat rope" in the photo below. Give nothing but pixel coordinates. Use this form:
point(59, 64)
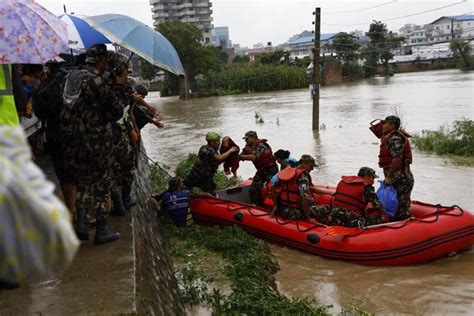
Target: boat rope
point(155, 163)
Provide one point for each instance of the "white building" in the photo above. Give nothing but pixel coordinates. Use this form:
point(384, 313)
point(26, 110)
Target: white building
point(447, 28)
point(303, 46)
point(197, 12)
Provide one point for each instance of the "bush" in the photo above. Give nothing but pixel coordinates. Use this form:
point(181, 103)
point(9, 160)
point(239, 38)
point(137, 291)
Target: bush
point(255, 78)
point(248, 265)
point(457, 139)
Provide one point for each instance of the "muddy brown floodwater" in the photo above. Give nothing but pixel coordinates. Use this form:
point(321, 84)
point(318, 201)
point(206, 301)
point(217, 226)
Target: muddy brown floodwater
point(423, 100)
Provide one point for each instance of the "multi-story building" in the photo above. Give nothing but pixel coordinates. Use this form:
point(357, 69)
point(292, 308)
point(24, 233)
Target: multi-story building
point(447, 28)
point(303, 46)
point(220, 37)
point(197, 12)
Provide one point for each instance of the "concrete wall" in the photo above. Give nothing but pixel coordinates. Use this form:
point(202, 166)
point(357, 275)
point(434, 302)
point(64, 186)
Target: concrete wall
point(157, 287)
point(332, 72)
point(418, 66)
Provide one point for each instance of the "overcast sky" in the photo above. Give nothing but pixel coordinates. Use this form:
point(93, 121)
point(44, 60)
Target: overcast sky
point(264, 21)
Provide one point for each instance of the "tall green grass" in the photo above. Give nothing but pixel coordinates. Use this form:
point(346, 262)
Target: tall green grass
point(456, 140)
point(234, 79)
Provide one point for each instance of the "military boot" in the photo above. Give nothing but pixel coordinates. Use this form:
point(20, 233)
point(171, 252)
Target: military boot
point(82, 227)
point(118, 208)
point(102, 234)
point(128, 201)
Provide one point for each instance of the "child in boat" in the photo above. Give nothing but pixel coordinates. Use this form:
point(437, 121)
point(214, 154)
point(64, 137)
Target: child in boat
point(231, 164)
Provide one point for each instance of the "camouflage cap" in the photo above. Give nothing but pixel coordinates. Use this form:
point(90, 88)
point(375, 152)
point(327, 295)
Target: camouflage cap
point(392, 119)
point(367, 172)
point(213, 136)
point(95, 53)
point(307, 159)
point(250, 134)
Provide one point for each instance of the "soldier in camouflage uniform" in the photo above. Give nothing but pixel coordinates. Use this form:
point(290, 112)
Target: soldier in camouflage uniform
point(90, 107)
point(395, 158)
point(349, 204)
point(200, 179)
point(125, 151)
point(296, 200)
point(260, 153)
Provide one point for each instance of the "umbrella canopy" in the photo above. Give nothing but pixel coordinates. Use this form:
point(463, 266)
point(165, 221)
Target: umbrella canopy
point(138, 38)
point(29, 33)
point(81, 34)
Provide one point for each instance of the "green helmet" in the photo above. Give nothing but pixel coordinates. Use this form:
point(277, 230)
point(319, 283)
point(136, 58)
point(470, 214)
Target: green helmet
point(213, 136)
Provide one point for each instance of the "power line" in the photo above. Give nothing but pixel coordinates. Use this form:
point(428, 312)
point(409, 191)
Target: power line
point(404, 16)
point(364, 9)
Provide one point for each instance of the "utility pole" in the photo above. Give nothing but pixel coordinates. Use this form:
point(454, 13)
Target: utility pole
point(316, 67)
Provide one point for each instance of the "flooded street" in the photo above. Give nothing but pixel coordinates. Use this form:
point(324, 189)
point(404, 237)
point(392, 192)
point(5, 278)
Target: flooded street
point(423, 101)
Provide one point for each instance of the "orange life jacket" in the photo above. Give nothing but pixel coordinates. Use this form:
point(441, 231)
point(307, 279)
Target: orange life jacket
point(266, 159)
point(289, 195)
point(350, 194)
point(385, 157)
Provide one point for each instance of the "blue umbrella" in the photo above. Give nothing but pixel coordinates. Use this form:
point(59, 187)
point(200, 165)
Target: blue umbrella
point(138, 38)
point(81, 34)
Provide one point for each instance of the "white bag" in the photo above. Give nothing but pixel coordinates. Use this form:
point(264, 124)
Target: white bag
point(36, 236)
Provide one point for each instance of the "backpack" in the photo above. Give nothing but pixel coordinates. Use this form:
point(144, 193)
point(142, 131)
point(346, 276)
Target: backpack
point(47, 99)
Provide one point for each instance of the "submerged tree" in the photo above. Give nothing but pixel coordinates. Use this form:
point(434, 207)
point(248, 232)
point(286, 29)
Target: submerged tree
point(462, 49)
point(347, 51)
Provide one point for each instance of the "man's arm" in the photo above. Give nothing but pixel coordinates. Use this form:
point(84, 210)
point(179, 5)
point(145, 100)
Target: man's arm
point(371, 197)
point(396, 145)
point(224, 156)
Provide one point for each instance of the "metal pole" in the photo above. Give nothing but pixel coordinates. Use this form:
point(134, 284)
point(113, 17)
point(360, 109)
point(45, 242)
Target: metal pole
point(316, 69)
point(452, 29)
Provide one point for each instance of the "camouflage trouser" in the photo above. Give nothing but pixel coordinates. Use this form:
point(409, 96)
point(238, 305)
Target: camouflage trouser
point(196, 186)
point(95, 197)
point(125, 159)
point(260, 178)
point(343, 217)
point(403, 182)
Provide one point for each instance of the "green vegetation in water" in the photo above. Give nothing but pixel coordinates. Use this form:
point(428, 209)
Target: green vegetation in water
point(243, 78)
point(247, 265)
point(455, 142)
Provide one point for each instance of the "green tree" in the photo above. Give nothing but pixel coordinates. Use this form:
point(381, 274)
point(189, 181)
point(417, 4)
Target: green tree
point(147, 70)
point(379, 49)
point(186, 38)
point(223, 56)
point(347, 51)
point(241, 59)
point(346, 47)
point(276, 57)
point(462, 49)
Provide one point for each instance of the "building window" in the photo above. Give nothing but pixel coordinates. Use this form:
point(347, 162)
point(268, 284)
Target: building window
point(447, 37)
point(447, 26)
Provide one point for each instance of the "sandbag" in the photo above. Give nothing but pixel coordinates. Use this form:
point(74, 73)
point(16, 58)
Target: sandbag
point(36, 236)
point(388, 197)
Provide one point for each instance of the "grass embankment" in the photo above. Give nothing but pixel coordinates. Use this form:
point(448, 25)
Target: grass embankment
point(242, 266)
point(235, 79)
point(455, 142)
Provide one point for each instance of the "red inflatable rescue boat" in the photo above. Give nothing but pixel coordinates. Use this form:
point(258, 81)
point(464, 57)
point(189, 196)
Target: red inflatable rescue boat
point(433, 232)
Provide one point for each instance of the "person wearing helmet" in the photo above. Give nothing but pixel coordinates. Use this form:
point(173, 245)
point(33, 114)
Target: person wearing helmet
point(200, 179)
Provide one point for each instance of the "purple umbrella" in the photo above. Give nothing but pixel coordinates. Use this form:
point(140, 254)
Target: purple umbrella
point(29, 34)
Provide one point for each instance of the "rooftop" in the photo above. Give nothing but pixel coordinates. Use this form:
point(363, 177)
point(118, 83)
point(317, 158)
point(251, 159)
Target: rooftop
point(309, 39)
point(464, 17)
